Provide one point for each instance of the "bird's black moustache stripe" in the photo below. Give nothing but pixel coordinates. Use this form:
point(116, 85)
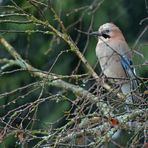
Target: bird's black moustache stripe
point(105, 36)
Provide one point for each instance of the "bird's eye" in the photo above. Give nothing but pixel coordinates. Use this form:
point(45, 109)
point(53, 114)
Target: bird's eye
point(107, 30)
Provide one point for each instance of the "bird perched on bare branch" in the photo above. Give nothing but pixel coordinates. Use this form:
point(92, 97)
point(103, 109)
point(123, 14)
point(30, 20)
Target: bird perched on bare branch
point(115, 58)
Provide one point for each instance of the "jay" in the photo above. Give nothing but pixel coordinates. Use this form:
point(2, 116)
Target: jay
point(115, 58)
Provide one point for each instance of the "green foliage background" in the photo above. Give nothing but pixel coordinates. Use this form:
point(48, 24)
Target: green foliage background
point(40, 50)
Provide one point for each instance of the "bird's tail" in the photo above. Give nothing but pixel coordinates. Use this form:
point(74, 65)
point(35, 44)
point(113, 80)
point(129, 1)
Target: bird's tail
point(128, 89)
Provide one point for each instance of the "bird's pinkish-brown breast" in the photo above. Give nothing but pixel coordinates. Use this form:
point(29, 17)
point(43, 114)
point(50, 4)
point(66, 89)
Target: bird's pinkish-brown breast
point(109, 59)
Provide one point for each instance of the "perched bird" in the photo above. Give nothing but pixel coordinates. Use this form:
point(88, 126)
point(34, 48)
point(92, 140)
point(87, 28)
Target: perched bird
point(115, 58)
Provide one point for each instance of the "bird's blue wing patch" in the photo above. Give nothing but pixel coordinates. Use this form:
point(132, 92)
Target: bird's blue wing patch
point(126, 63)
point(128, 66)
point(130, 72)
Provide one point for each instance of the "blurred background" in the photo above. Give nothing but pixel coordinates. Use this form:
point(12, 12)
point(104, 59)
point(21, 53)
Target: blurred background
point(49, 53)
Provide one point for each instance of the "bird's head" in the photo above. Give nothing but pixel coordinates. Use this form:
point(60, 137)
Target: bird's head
point(107, 31)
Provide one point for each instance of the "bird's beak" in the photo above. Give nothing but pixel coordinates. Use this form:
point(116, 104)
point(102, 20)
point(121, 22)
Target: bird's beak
point(95, 33)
